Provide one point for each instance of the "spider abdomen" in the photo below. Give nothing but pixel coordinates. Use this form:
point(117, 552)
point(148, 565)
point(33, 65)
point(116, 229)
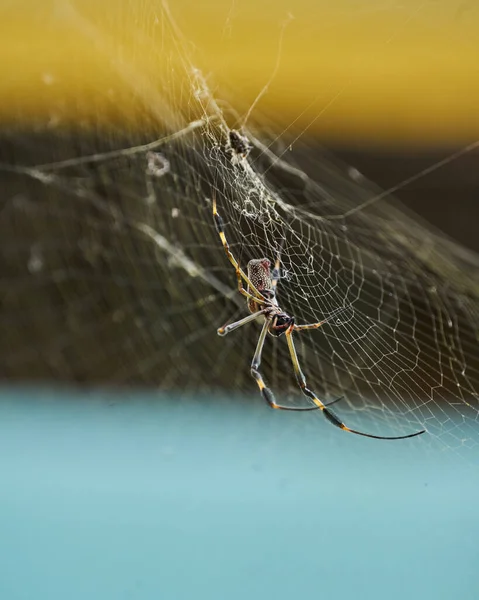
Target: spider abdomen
point(259, 273)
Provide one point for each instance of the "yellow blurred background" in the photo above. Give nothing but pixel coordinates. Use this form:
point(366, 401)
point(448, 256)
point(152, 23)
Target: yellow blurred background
point(378, 71)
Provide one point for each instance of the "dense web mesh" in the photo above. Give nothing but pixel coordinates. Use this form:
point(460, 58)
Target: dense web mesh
point(113, 272)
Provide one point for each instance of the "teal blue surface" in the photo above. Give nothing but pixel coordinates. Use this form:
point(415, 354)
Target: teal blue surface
point(154, 498)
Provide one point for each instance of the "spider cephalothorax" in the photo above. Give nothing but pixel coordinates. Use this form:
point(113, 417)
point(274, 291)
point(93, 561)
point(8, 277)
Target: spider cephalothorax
point(280, 323)
point(261, 298)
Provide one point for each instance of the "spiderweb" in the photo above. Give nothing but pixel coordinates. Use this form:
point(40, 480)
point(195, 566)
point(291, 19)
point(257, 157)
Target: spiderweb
point(113, 271)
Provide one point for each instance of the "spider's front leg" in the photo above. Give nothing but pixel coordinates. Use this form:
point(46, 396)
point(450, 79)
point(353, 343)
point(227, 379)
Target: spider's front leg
point(240, 275)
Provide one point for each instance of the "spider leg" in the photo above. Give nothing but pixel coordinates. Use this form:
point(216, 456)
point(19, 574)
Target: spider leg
point(329, 414)
point(255, 372)
point(309, 326)
point(240, 274)
point(232, 326)
point(319, 324)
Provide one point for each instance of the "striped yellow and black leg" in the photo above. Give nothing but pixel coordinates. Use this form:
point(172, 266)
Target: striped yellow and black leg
point(328, 413)
point(240, 274)
point(255, 372)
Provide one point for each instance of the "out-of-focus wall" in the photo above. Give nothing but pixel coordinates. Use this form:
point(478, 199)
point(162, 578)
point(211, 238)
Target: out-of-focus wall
point(374, 71)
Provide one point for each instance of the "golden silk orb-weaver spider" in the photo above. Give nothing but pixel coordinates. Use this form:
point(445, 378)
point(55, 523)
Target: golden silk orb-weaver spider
point(262, 302)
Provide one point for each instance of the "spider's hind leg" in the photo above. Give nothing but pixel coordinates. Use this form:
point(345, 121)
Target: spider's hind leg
point(329, 414)
point(266, 392)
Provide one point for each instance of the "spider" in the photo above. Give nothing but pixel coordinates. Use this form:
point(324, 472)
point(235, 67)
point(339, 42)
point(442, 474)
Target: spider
point(238, 145)
point(262, 302)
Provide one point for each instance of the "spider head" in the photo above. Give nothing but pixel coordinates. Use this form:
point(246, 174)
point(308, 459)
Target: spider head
point(280, 323)
point(259, 273)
